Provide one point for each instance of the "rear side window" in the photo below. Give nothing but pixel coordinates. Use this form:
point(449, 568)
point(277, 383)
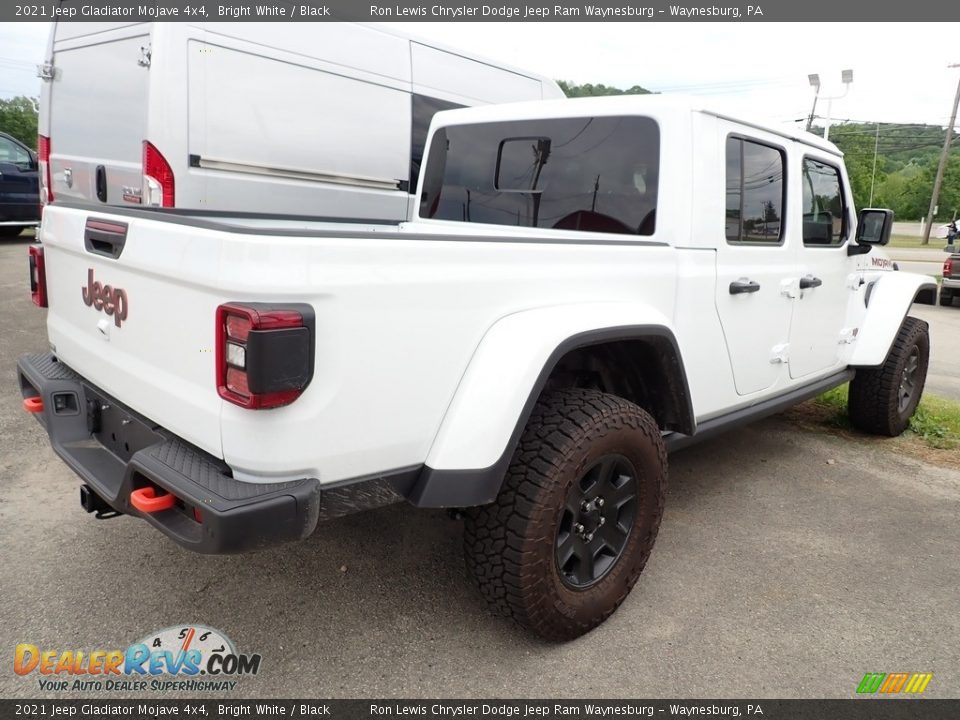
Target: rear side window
point(755, 192)
point(423, 109)
point(592, 174)
point(824, 209)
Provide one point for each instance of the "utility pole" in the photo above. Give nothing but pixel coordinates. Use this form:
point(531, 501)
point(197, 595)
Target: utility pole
point(944, 156)
point(873, 179)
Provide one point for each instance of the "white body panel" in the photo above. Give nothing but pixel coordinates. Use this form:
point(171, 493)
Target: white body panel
point(313, 119)
point(512, 355)
point(468, 81)
point(430, 335)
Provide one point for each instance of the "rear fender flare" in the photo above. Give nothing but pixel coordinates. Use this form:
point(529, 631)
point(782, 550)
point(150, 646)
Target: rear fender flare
point(490, 408)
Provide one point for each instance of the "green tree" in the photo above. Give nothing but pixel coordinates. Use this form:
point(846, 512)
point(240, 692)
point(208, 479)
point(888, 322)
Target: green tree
point(858, 147)
point(950, 193)
point(572, 90)
point(18, 117)
point(906, 162)
point(905, 191)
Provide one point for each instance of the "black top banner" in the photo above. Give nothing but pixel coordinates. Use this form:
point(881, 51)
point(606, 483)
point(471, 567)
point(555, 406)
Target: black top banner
point(491, 10)
point(223, 709)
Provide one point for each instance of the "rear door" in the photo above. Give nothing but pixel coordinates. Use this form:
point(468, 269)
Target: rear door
point(823, 267)
point(754, 258)
point(98, 114)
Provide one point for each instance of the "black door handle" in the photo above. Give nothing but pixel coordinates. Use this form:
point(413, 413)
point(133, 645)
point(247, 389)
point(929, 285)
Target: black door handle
point(101, 183)
point(810, 282)
point(737, 287)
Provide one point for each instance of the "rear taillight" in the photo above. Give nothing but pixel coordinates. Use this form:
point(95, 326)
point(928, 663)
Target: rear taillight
point(264, 353)
point(948, 267)
point(43, 160)
point(158, 188)
point(38, 276)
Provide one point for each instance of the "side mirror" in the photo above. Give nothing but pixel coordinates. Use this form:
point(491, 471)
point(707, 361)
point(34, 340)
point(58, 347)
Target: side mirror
point(874, 227)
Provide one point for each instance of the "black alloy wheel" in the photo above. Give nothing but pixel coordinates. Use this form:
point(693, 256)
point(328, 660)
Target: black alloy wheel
point(596, 521)
point(908, 380)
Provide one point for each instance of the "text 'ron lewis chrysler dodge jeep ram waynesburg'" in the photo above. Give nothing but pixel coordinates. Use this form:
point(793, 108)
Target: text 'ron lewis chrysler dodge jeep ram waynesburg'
point(584, 286)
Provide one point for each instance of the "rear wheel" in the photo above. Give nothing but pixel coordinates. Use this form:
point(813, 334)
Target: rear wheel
point(576, 518)
point(946, 297)
point(7, 231)
point(882, 400)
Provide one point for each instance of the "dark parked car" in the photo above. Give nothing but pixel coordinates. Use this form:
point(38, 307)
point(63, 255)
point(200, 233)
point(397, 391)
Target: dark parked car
point(19, 187)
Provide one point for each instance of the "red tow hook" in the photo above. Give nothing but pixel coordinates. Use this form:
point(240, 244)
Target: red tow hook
point(33, 404)
point(146, 500)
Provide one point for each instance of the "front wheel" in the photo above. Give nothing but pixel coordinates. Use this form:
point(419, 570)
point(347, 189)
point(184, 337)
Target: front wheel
point(576, 518)
point(882, 400)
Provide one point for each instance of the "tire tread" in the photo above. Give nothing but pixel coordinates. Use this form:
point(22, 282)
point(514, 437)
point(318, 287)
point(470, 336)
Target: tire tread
point(872, 398)
point(498, 536)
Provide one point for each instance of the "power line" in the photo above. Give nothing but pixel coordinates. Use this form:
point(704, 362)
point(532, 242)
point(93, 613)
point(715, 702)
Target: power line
point(758, 82)
point(16, 61)
point(854, 121)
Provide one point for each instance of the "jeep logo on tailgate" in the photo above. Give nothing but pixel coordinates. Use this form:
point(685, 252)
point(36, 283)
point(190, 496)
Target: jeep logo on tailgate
point(104, 298)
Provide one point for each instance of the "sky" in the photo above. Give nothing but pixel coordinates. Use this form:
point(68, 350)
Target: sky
point(757, 70)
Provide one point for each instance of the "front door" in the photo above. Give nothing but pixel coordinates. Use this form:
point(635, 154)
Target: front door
point(19, 199)
point(754, 261)
point(823, 289)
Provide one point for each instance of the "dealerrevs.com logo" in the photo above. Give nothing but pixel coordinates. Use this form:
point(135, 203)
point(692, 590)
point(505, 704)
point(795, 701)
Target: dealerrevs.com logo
point(192, 658)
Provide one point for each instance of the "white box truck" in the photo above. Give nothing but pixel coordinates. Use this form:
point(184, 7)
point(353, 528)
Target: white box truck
point(321, 119)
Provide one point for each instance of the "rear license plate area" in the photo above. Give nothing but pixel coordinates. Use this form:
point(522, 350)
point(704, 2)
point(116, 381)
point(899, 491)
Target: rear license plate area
point(119, 430)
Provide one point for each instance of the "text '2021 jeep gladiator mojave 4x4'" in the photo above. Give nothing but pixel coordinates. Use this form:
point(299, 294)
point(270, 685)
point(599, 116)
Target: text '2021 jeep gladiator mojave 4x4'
point(585, 285)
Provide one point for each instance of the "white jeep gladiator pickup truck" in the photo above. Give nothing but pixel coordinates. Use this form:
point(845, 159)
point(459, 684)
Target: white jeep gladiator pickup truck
point(584, 286)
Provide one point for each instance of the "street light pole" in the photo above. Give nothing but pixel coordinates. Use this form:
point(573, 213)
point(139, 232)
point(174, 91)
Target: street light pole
point(847, 77)
point(815, 83)
point(941, 168)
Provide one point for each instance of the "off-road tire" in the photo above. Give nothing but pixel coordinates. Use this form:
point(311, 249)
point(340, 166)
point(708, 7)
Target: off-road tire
point(874, 397)
point(946, 298)
point(510, 545)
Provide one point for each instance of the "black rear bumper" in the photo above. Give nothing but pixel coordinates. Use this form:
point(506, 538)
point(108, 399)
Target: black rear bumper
point(115, 452)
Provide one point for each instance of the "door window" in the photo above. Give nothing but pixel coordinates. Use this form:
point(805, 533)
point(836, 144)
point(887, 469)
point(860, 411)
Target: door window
point(824, 208)
point(755, 192)
point(10, 152)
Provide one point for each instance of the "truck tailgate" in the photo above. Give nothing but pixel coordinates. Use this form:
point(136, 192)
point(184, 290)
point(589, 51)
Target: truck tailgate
point(149, 339)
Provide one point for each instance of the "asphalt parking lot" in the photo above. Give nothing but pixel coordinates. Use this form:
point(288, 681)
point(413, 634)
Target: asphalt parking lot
point(789, 564)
